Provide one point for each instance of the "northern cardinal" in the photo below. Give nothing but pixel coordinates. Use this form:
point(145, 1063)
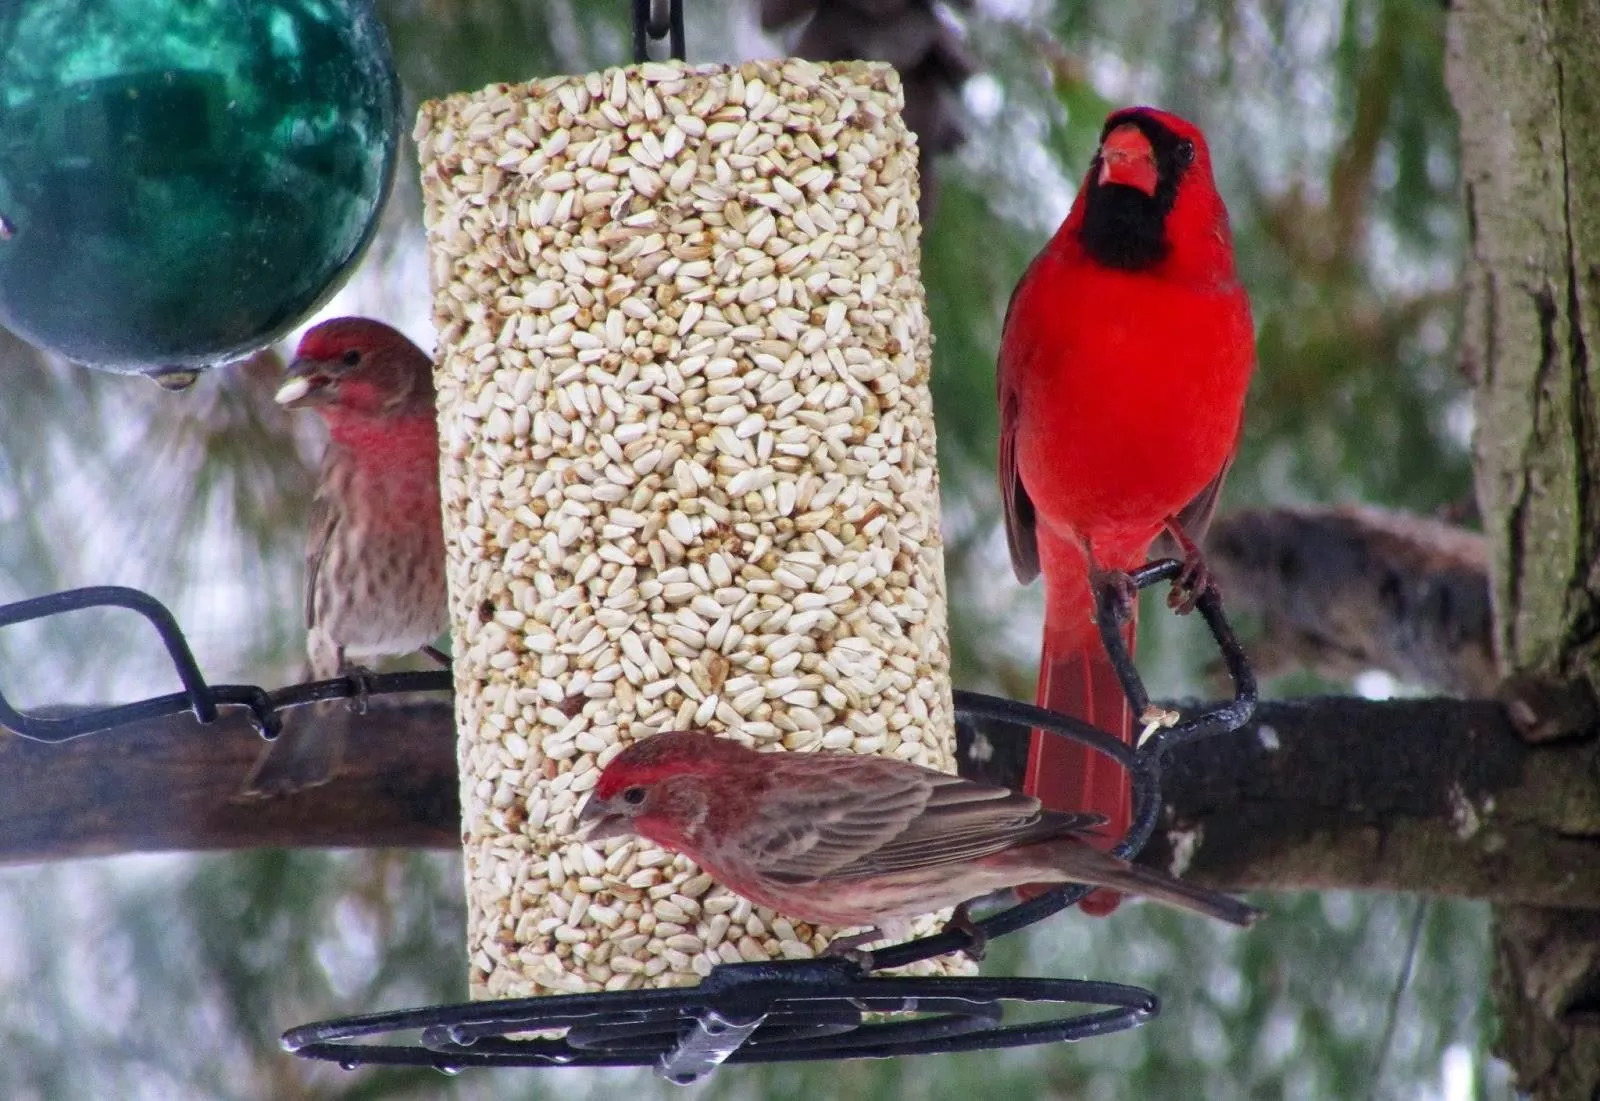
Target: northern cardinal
point(850, 840)
point(375, 555)
point(1124, 361)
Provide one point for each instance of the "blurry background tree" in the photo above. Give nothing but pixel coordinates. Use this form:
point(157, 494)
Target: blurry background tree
point(1336, 146)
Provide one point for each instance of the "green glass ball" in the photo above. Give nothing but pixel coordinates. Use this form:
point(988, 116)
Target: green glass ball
point(182, 181)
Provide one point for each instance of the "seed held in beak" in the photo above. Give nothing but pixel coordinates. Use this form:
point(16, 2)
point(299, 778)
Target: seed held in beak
point(292, 390)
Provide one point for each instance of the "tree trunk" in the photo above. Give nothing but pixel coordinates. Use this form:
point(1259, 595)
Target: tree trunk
point(1526, 81)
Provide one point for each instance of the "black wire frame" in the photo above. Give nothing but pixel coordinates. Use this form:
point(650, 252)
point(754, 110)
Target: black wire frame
point(799, 1010)
point(198, 698)
point(740, 1013)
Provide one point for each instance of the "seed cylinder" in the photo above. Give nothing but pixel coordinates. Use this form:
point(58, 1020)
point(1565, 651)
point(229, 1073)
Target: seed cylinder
point(688, 473)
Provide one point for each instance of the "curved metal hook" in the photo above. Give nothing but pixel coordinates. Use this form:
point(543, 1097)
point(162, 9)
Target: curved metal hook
point(654, 20)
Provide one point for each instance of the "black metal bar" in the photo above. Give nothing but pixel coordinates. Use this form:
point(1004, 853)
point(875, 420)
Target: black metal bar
point(641, 31)
point(678, 45)
point(654, 20)
point(1215, 720)
point(1225, 718)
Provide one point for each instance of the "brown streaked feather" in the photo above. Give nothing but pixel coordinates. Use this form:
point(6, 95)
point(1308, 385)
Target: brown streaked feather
point(931, 842)
point(323, 521)
point(859, 811)
point(898, 817)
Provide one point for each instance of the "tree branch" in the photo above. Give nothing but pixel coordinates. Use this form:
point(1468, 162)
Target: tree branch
point(172, 784)
point(1342, 590)
point(1438, 796)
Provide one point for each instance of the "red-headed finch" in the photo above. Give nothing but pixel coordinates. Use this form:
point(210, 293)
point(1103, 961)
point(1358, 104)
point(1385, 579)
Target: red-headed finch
point(851, 841)
point(375, 554)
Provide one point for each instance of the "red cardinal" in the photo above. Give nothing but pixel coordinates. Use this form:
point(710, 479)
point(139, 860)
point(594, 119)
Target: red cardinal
point(848, 840)
point(1124, 362)
point(375, 557)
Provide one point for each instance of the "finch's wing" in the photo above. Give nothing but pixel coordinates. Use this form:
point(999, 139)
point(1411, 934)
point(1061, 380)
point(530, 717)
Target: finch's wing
point(1020, 517)
point(840, 810)
point(964, 821)
point(866, 816)
point(324, 521)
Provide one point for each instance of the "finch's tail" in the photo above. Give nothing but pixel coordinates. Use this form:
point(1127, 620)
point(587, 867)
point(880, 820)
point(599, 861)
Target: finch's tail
point(1076, 862)
point(308, 752)
point(1076, 678)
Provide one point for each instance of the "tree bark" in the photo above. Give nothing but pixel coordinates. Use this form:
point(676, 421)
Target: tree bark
point(1525, 79)
point(1438, 796)
point(1434, 796)
point(172, 784)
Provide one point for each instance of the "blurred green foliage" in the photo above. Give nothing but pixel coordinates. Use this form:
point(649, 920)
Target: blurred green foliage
point(1336, 147)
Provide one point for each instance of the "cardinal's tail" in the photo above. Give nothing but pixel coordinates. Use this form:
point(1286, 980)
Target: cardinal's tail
point(1076, 678)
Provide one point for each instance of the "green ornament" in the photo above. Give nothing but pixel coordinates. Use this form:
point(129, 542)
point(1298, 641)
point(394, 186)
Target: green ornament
point(182, 181)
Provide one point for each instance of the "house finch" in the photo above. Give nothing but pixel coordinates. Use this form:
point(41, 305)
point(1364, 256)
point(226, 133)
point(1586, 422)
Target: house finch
point(375, 556)
point(1124, 361)
point(848, 840)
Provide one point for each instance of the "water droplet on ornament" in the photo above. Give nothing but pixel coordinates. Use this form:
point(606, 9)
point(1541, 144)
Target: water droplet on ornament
point(175, 379)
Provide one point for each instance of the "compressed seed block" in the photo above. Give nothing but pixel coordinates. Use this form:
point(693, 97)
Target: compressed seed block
point(689, 477)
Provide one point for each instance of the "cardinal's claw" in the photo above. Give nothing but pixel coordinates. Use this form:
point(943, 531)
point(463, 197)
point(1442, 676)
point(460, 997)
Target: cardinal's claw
point(1192, 582)
point(1194, 579)
point(1115, 593)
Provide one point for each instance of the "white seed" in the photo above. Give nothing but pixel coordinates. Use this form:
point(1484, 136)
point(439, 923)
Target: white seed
point(689, 464)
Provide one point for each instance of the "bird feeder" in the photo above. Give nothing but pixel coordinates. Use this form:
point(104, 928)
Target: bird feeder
point(689, 477)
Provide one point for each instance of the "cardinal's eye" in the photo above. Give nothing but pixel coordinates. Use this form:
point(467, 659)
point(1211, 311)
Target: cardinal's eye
point(352, 357)
point(633, 796)
point(1185, 153)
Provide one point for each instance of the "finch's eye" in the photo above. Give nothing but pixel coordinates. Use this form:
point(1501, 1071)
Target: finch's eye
point(352, 357)
point(1185, 153)
point(633, 796)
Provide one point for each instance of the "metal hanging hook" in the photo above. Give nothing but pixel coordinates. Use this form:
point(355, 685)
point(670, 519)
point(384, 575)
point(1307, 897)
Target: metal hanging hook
point(654, 20)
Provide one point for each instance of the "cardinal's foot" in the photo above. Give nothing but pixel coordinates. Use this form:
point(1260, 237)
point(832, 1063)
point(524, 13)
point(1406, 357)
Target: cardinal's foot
point(1194, 578)
point(1114, 593)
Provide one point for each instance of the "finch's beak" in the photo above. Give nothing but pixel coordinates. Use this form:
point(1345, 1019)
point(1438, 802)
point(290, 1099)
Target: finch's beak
point(1127, 158)
point(597, 821)
point(305, 384)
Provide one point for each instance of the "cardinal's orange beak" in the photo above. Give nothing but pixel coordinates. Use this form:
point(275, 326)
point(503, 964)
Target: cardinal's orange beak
point(1126, 158)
